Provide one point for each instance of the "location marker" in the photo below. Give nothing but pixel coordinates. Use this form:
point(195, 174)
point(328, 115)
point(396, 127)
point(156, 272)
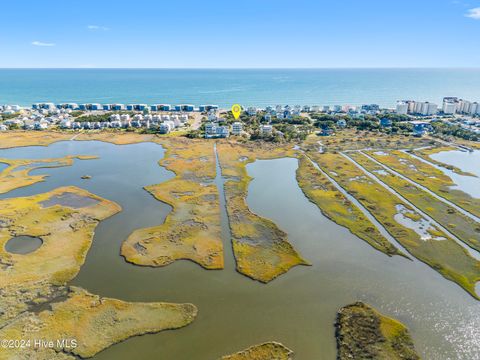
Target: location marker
point(236, 111)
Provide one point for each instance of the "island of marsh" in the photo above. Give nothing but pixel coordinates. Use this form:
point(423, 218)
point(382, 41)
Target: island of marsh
point(37, 304)
point(266, 351)
point(364, 333)
point(261, 249)
point(431, 246)
point(430, 177)
point(465, 228)
point(318, 188)
point(192, 230)
point(425, 154)
point(17, 172)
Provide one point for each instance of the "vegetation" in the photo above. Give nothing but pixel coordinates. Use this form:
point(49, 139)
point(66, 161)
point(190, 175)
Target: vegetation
point(261, 249)
point(364, 333)
point(17, 174)
point(266, 351)
point(444, 129)
point(439, 251)
point(66, 234)
point(457, 223)
point(35, 302)
point(430, 177)
point(95, 324)
point(334, 205)
point(11, 139)
point(88, 117)
point(192, 230)
point(351, 139)
point(425, 153)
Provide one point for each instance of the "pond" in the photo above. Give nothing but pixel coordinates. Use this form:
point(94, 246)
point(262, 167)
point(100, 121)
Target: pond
point(23, 244)
point(466, 161)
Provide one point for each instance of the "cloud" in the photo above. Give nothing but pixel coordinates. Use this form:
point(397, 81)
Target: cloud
point(473, 13)
point(97, 27)
point(40, 43)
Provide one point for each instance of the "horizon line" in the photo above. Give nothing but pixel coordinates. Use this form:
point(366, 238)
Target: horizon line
point(250, 68)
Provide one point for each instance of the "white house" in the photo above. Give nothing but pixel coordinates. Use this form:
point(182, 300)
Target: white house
point(266, 129)
point(237, 128)
point(65, 124)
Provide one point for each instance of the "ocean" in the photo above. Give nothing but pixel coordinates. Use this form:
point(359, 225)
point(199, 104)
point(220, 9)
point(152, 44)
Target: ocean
point(224, 87)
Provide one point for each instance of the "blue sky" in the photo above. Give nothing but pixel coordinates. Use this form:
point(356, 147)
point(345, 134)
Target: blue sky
point(243, 33)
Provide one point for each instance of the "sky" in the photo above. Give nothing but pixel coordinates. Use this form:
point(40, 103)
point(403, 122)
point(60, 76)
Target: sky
point(239, 34)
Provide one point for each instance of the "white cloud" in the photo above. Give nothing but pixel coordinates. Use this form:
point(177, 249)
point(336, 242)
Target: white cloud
point(473, 13)
point(97, 27)
point(40, 43)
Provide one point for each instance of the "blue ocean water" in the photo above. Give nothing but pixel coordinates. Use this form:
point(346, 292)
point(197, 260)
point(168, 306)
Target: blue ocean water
point(258, 87)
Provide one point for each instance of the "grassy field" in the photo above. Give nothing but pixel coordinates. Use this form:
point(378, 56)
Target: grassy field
point(445, 256)
point(266, 351)
point(334, 205)
point(428, 176)
point(463, 227)
point(11, 139)
point(261, 249)
point(192, 230)
point(17, 174)
point(116, 137)
point(364, 333)
point(350, 139)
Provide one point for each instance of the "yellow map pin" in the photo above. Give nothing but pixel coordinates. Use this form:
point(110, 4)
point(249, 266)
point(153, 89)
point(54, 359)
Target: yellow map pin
point(236, 111)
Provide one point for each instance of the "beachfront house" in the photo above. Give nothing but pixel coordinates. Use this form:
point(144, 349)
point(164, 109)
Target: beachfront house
point(185, 107)
point(107, 107)
point(118, 107)
point(164, 107)
point(206, 108)
point(140, 107)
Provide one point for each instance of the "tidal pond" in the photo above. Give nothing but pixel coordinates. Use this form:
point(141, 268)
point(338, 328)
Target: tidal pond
point(297, 309)
point(23, 244)
point(466, 161)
